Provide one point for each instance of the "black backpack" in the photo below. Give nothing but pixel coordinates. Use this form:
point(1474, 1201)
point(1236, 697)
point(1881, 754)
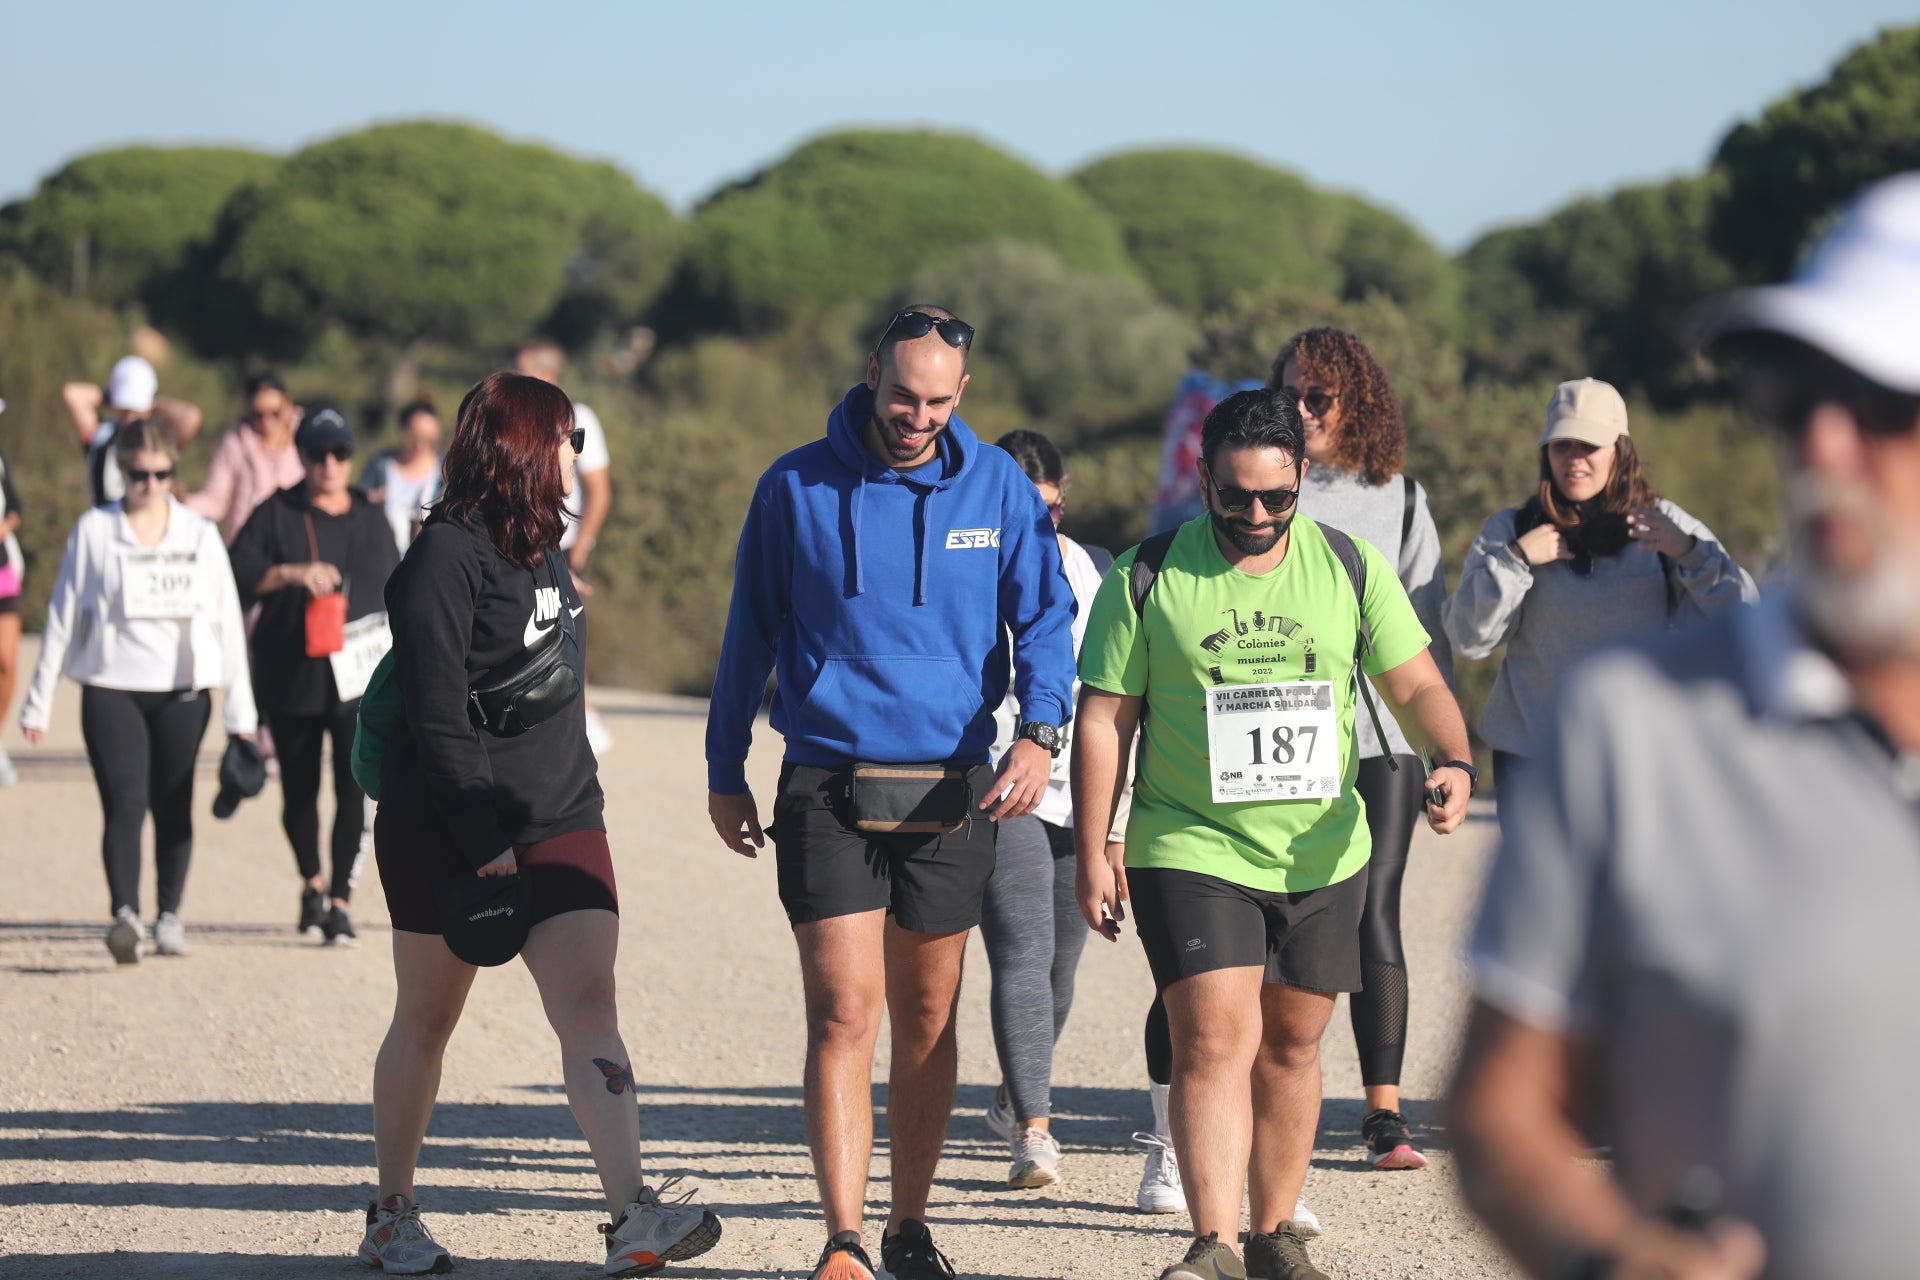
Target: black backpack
point(1153, 553)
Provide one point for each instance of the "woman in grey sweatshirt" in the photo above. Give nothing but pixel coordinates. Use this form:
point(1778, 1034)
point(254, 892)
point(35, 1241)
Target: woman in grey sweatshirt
point(1592, 559)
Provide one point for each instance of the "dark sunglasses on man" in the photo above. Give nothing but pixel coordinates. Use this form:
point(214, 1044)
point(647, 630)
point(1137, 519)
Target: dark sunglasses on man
point(1782, 382)
point(338, 452)
point(918, 324)
point(1233, 501)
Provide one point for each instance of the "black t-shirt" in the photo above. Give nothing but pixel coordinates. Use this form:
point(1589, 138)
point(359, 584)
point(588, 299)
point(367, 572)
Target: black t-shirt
point(286, 682)
point(459, 610)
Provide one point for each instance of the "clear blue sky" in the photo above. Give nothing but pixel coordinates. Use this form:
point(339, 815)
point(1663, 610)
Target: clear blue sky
point(1462, 116)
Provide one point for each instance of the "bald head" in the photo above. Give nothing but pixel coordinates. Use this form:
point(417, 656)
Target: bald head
point(900, 330)
point(542, 359)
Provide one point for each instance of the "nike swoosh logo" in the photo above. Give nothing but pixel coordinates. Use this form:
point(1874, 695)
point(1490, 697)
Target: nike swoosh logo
point(576, 610)
point(534, 632)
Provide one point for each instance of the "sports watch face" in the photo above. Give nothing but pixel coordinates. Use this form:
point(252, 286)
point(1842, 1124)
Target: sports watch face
point(1044, 734)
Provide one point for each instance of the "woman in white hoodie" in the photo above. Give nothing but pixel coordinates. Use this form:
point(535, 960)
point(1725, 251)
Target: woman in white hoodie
point(145, 618)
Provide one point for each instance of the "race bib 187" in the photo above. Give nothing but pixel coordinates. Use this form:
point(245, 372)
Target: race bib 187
point(367, 641)
point(1273, 741)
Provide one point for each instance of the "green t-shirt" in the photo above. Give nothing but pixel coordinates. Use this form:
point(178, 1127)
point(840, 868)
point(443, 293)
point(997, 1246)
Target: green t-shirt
point(1207, 624)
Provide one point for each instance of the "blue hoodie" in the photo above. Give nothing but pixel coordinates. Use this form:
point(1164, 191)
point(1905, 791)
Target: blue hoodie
point(887, 599)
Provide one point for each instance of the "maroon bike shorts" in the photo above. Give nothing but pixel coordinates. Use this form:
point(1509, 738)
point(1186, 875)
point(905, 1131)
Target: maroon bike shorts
point(571, 872)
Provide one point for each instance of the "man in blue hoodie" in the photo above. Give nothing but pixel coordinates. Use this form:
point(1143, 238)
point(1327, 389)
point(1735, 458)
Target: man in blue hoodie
point(880, 572)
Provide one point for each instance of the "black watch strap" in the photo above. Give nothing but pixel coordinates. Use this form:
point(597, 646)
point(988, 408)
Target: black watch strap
point(1466, 767)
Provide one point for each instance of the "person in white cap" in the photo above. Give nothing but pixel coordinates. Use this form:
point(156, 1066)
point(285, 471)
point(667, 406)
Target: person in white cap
point(1696, 926)
point(1594, 557)
point(132, 392)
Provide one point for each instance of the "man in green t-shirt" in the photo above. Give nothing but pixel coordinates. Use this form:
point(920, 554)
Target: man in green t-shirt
point(1246, 855)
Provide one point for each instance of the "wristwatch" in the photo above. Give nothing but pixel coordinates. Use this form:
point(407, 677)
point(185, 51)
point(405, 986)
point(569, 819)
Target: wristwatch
point(1043, 733)
point(1473, 774)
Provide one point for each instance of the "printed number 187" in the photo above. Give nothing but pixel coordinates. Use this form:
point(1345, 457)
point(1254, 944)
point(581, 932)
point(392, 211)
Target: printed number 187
point(1284, 742)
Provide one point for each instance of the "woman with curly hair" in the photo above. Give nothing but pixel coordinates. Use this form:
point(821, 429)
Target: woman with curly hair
point(1593, 557)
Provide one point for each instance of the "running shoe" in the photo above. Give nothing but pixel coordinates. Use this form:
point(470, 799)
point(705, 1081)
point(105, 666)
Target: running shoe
point(651, 1232)
point(1160, 1185)
point(313, 913)
point(126, 936)
point(8, 777)
point(169, 935)
point(1389, 1141)
point(908, 1254)
point(1280, 1255)
point(397, 1241)
point(1207, 1259)
point(337, 929)
point(1000, 1117)
point(1306, 1224)
point(1036, 1160)
point(844, 1259)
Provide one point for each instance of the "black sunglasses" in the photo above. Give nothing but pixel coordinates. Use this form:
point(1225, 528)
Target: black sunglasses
point(1233, 501)
point(338, 452)
point(578, 439)
point(1317, 402)
point(918, 324)
point(136, 476)
point(1784, 386)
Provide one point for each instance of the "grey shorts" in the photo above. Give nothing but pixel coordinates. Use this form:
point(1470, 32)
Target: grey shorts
point(1192, 923)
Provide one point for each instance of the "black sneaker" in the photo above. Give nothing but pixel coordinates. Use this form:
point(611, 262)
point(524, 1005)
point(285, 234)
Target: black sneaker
point(909, 1254)
point(313, 913)
point(1207, 1259)
point(844, 1259)
point(1389, 1141)
point(337, 929)
point(1280, 1255)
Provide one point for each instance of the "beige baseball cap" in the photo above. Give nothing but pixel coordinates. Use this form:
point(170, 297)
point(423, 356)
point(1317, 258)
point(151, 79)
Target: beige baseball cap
point(1588, 410)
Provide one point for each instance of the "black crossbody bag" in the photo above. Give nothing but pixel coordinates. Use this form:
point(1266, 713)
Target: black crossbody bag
point(533, 688)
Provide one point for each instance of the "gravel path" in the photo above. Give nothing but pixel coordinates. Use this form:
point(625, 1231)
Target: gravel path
point(208, 1116)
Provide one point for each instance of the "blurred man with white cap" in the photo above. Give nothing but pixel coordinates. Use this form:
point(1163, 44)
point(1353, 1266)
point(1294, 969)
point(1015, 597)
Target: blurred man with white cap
point(1694, 939)
point(132, 392)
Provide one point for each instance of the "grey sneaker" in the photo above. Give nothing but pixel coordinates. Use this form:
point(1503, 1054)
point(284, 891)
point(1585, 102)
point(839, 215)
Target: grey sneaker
point(1280, 1255)
point(126, 936)
point(397, 1241)
point(1160, 1182)
point(651, 1232)
point(1208, 1259)
point(1036, 1160)
point(169, 935)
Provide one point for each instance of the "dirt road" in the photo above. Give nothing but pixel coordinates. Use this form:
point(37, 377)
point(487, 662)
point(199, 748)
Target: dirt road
point(208, 1116)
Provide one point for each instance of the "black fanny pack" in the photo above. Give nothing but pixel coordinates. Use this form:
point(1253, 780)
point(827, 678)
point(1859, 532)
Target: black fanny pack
point(910, 799)
point(513, 698)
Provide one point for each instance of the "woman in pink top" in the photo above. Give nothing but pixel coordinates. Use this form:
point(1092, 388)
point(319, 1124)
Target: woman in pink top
point(255, 460)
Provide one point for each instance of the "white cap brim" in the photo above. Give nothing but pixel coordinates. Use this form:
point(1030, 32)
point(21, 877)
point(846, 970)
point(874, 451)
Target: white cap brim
point(1873, 335)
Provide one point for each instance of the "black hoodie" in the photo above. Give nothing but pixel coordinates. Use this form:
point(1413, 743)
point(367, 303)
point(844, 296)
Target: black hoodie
point(459, 609)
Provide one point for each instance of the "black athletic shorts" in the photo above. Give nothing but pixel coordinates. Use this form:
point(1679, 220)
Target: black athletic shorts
point(931, 883)
point(1192, 923)
point(570, 872)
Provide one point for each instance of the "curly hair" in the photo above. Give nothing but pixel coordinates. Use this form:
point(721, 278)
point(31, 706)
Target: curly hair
point(1372, 439)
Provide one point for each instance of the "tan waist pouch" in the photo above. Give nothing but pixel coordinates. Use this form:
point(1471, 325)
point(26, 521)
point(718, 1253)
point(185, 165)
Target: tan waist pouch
point(910, 799)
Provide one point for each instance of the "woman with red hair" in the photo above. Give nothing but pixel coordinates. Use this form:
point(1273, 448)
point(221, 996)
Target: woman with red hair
point(481, 598)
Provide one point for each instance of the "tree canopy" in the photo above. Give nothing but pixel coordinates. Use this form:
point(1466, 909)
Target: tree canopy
point(847, 216)
point(1206, 227)
point(134, 212)
point(438, 232)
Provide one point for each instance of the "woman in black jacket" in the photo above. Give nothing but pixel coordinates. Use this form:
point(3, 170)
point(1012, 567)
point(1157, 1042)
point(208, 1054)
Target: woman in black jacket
point(480, 591)
point(314, 540)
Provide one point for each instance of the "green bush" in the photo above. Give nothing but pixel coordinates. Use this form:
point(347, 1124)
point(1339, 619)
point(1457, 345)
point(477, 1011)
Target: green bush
point(130, 215)
point(847, 217)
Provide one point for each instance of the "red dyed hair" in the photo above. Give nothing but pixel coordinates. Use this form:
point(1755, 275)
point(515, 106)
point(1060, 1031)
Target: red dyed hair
point(503, 468)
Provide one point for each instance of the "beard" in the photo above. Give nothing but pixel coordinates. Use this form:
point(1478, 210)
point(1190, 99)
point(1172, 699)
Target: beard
point(1250, 539)
point(1859, 613)
point(890, 432)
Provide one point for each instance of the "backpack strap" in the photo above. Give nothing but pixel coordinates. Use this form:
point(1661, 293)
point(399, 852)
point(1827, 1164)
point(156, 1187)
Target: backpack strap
point(1669, 573)
point(1146, 567)
point(1101, 557)
point(1406, 510)
point(1356, 566)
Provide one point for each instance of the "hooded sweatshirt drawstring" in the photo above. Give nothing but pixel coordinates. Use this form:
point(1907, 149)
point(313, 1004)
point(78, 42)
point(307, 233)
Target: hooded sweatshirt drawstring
point(859, 508)
point(925, 534)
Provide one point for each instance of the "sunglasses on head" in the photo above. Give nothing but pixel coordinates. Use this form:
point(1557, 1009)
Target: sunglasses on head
point(1314, 402)
point(137, 476)
point(918, 324)
point(1233, 501)
point(1783, 389)
point(338, 452)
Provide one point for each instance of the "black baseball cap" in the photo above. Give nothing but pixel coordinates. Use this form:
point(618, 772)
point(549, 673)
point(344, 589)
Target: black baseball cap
point(322, 429)
point(243, 771)
point(484, 919)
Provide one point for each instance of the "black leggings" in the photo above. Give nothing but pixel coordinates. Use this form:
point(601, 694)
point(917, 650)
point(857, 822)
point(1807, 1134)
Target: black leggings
point(1394, 803)
point(142, 746)
point(297, 740)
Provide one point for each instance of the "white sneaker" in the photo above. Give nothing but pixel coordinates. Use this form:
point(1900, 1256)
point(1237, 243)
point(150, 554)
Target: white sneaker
point(1306, 1224)
point(126, 936)
point(1000, 1117)
point(1036, 1160)
point(8, 777)
point(650, 1233)
point(599, 737)
point(169, 935)
point(1160, 1185)
point(397, 1241)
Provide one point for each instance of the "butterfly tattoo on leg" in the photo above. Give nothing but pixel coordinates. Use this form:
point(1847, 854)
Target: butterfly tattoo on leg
point(619, 1078)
